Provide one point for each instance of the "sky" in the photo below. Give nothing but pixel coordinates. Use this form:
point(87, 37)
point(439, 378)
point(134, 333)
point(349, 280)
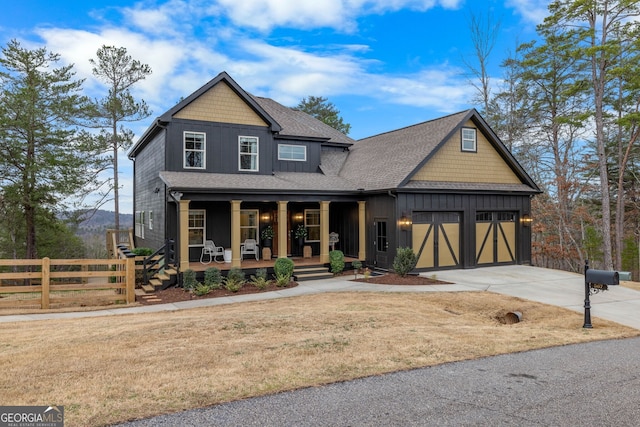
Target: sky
point(384, 64)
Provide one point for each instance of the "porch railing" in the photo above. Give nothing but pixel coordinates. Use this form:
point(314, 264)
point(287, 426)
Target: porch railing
point(158, 260)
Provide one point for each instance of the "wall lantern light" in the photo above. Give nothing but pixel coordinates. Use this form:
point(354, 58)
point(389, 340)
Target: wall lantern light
point(526, 220)
point(298, 217)
point(266, 217)
point(405, 222)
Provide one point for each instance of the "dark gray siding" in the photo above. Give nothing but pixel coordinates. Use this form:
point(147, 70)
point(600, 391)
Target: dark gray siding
point(381, 207)
point(147, 165)
point(313, 157)
point(343, 219)
point(468, 205)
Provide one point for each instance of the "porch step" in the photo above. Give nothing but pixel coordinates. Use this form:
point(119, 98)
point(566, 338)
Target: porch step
point(148, 289)
point(311, 272)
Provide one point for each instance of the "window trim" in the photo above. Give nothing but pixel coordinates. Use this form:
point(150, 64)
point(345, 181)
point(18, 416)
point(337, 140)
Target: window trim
point(204, 227)
point(256, 154)
point(475, 140)
point(150, 221)
point(307, 226)
point(139, 224)
point(304, 148)
point(256, 227)
point(203, 151)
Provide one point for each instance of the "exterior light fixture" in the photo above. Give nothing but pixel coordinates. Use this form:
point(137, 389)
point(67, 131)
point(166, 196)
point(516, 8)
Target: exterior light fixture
point(526, 220)
point(405, 222)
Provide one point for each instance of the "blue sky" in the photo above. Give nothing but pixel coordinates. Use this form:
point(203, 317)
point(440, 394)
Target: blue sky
point(385, 64)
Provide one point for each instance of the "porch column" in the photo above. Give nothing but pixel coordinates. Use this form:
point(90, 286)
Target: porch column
point(235, 233)
point(324, 232)
point(183, 232)
point(282, 229)
point(362, 238)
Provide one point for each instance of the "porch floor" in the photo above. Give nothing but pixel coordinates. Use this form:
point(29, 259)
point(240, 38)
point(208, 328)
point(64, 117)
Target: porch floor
point(251, 263)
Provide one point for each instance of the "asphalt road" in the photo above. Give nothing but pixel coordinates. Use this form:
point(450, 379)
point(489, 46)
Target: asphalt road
point(593, 384)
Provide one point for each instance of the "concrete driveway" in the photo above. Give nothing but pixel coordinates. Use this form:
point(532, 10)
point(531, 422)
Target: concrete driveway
point(555, 287)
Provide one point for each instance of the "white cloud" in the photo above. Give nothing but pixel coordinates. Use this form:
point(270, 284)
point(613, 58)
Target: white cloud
point(306, 14)
point(533, 11)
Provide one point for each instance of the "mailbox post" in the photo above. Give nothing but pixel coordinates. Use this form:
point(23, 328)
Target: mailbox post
point(596, 281)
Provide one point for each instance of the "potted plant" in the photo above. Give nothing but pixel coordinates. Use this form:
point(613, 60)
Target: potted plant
point(301, 234)
point(266, 236)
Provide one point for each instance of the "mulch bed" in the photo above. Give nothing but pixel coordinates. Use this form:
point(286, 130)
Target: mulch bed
point(175, 294)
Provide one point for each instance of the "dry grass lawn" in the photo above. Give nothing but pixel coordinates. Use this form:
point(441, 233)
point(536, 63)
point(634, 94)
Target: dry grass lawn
point(110, 369)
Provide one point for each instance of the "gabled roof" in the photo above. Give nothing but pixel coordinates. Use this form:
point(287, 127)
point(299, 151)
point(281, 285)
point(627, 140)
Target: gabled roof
point(165, 118)
point(388, 160)
point(299, 125)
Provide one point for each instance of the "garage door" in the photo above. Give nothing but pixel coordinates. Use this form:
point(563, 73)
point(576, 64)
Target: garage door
point(436, 239)
point(495, 238)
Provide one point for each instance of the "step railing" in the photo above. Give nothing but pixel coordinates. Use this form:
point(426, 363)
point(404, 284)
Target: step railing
point(166, 255)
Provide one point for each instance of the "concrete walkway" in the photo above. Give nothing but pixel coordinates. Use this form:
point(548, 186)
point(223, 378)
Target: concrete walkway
point(553, 287)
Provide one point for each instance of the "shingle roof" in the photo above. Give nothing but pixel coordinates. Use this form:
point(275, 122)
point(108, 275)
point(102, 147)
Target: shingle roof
point(467, 186)
point(297, 123)
point(280, 182)
point(384, 161)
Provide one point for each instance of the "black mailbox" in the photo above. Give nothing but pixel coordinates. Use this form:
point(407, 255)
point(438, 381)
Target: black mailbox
point(602, 277)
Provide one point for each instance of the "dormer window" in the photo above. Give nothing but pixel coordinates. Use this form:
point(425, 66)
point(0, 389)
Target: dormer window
point(469, 140)
point(248, 148)
point(297, 153)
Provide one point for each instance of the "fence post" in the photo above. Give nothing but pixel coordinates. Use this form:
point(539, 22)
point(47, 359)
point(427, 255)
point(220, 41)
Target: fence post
point(131, 278)
point(46, 268)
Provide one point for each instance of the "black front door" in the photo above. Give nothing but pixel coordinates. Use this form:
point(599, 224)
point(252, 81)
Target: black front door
point(381, 243)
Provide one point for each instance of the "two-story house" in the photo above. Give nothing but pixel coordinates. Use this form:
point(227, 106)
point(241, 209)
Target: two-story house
point(223, 164)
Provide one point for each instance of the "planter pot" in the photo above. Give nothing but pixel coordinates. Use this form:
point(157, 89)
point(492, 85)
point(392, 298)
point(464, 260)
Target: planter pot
point(266, 243)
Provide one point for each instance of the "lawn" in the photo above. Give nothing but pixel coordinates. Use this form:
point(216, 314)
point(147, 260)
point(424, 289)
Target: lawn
point(114, 368)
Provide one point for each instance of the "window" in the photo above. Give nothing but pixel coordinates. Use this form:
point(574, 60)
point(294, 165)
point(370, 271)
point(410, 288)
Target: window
point(150, 220)
point(248, 153)
point(248, 224)
point(312, 224)
point(296, 153)
point(140, 224)
point(469, 139)
point(196, 227)
point(194, 150)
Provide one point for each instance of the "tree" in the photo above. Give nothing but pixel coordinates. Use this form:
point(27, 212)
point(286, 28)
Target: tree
point(120, 72)
point(484, 33)
point(595, 28)
point(45, 157)
point(323, 110)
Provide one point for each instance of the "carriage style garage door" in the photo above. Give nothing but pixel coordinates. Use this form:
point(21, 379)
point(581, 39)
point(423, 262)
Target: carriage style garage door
point(436, 239)
point(495, 238)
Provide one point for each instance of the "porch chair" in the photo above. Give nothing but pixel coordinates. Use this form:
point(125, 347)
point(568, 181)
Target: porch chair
point(212, 251)
point(249, 247)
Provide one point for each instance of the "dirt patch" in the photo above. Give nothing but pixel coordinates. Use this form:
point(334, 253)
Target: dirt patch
point(395, 279)
point(174, 294)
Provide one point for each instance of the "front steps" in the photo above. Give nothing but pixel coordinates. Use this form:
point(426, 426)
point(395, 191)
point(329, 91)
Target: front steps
point(161, 280)
point(311, 272)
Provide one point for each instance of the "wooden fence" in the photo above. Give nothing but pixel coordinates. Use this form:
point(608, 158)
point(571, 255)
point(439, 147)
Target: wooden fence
point(67, 282)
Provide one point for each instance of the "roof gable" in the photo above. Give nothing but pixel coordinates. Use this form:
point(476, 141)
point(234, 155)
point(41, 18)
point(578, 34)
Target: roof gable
point(242, 106)
point(394, 159)
point(450, 164)
point(221, 104)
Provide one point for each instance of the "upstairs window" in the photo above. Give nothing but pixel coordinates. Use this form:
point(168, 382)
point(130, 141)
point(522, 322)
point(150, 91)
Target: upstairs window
point(194, 150)
point(297, 153)
point(469, 140)
point(248, 153)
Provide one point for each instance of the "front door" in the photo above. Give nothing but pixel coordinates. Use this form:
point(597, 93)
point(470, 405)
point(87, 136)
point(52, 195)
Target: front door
point(381, 243)
point(436, 239)
point(495, 238)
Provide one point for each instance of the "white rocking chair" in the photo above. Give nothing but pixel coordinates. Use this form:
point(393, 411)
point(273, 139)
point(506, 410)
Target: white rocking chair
point(249, 247)
point(212, 251)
